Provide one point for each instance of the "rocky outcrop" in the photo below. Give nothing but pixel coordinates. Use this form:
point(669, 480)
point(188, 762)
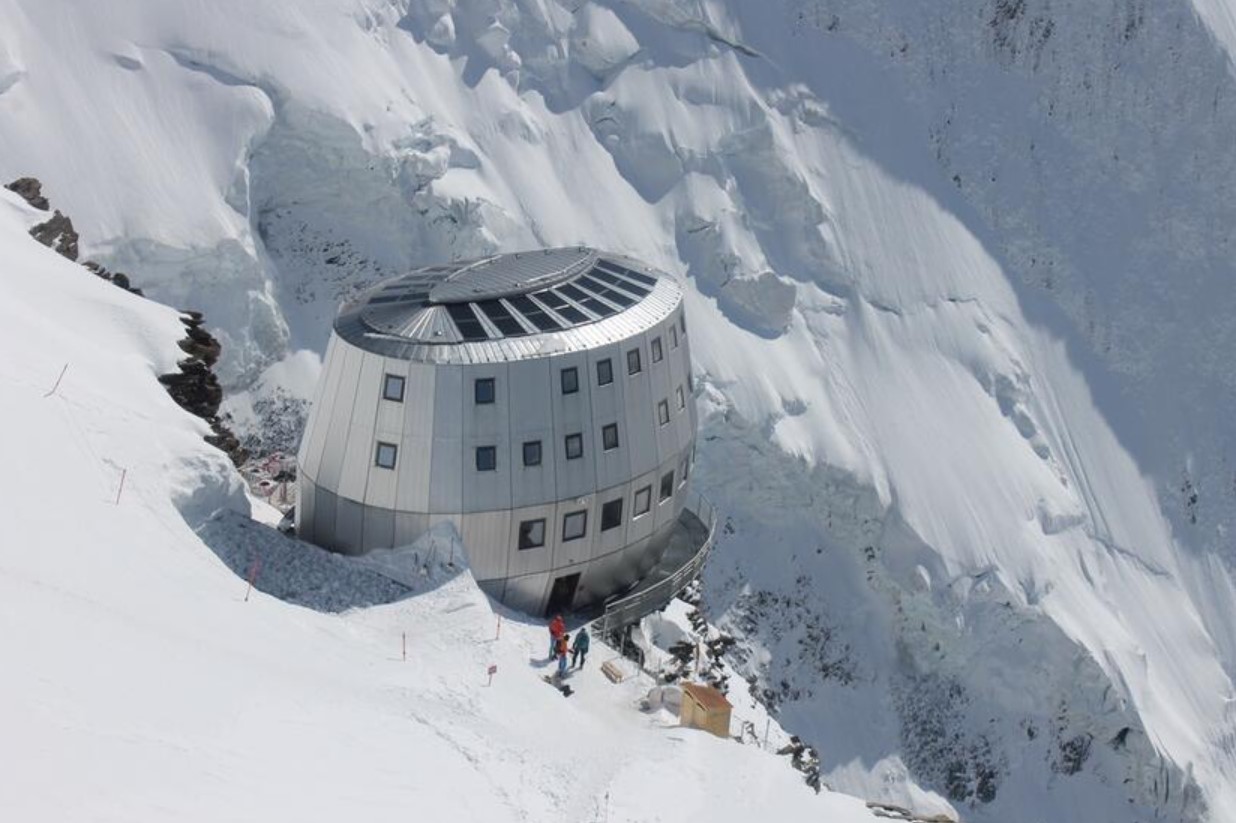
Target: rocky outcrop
point(58, 233)
point(195, 387)
point(30, 190)
point(119, 278)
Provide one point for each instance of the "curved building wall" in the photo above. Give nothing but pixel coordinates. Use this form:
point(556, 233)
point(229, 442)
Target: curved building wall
point(351, 504)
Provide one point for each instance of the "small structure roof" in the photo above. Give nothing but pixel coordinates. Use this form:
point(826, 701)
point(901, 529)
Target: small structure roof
point(706, 696)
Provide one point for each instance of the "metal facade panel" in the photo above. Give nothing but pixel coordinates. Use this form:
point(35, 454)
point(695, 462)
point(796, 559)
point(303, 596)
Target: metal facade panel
point(531, 418)
point(486, 536)
point(349, 526)
point(528, 594)
point(325, 506)
point(379, 530)
point(445, 478)
point(527, 561)
point(615, 538)
point(486, 425)
point(412, 491)
point(408, 527)
point(642, 526)
point(359, 456)
point(640, 411)
point(609, 407)
point(572, 552)
point(336, 445)
point(391, 412)
point(304, 509)
point(309, 456)
point(572, 414)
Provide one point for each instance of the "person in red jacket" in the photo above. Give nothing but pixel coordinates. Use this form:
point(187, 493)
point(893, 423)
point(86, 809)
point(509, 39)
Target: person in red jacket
point(557, 629)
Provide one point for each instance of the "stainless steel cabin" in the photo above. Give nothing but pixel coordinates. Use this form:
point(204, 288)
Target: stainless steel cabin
point(540, 401)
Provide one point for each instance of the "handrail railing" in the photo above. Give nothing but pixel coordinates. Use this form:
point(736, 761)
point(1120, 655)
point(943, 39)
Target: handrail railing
point(624, 611)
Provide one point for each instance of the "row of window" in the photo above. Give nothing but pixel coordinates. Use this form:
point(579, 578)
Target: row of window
point(575, 524)
point(386, 454)
point(483, 390)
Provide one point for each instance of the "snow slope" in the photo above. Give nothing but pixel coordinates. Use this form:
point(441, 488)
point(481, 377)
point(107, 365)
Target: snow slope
point(960, 288)
point(142, 684)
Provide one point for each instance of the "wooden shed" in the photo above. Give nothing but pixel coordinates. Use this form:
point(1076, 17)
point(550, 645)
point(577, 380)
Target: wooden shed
point(703, 707)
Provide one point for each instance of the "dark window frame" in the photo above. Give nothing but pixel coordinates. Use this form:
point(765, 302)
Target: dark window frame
point(524, 539)
point(636, 511)
point(583, 529)
point(573, 382)
point(634, 368)
point(609, 369)
point(667, 480)
point(656, 349)
point(606, 431)
point(611, 514)
point(663, 412)
point(578, 438)
point(386, 385)
point(539, 452)
point(377, 455)
point(673, 336)
point(681, 396)
point(492, 452)
point(492, 384)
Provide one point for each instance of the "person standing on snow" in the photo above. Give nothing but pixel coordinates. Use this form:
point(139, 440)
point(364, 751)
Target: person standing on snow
point(562, 654)
point(579, 649)
point(557, 629)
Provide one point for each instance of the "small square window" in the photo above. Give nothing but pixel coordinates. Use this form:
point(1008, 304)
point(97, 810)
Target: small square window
point(574, 525)
point(392, 388)
point(657, 354)
point(633, 364)
point(532, 533)
point(385, 455)
point(673, 337)
point(682, 399)
point(690, 382)
point(486, 458)
point(570, 380)
point(609, 436)
point(643, 501)
point(532, 453)
point(611, 515)
point(682, 322)
point(667, 486)
point(483, 391)
point(574, 446)
point(605, 372)
point(663, 412)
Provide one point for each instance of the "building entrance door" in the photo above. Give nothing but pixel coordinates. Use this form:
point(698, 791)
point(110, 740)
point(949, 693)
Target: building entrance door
point(562, 594)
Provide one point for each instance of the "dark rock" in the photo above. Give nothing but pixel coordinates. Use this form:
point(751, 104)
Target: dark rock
point(196, 389)
point(30, 190)
point(57, 233)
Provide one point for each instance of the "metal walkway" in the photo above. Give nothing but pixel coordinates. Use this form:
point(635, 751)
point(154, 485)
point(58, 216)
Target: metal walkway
point(688, 548)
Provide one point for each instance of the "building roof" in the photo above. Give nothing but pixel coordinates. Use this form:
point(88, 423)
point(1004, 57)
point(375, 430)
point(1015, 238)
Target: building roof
point(706, 696)
point(509, 306)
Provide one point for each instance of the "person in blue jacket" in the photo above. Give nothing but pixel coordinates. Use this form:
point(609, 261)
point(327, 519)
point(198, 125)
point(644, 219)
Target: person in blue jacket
point(561, 651)
point(579, 649)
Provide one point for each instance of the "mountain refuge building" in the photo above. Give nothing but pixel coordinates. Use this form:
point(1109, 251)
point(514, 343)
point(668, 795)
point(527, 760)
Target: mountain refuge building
point(540, 401)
